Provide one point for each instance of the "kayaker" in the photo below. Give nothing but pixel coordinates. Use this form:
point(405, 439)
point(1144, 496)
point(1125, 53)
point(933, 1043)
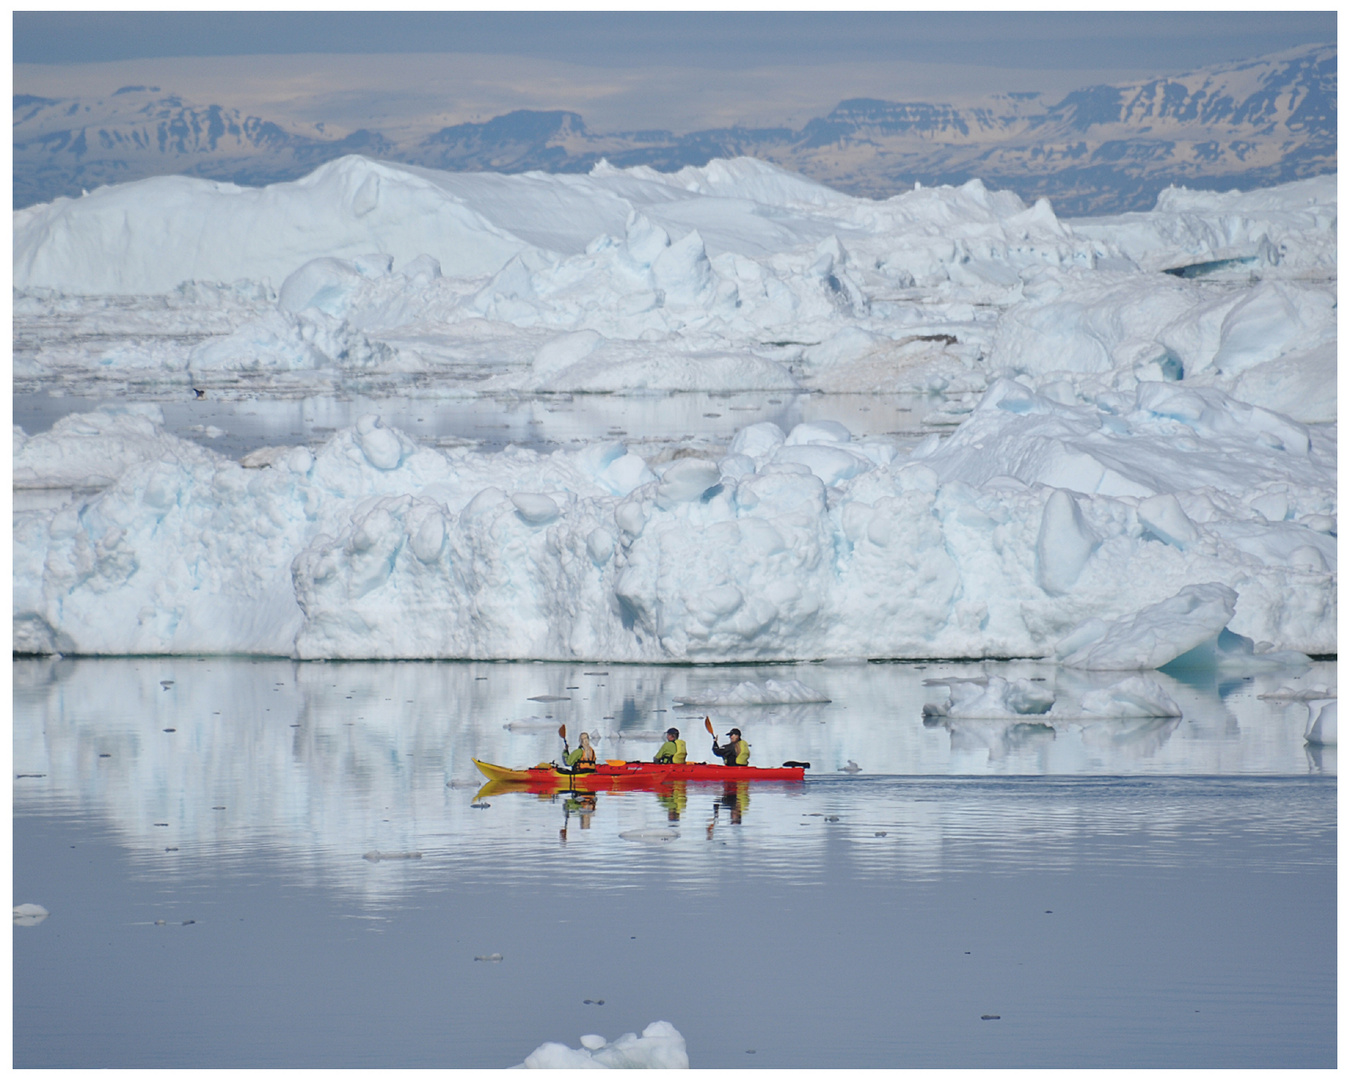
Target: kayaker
point(736, 751)
point(673, 750)
point(584, 755)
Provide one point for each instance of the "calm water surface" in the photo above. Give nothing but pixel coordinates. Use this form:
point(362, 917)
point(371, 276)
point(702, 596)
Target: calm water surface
point(1117, 893)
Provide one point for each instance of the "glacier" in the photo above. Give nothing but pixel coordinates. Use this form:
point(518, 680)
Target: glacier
point(1131, 409)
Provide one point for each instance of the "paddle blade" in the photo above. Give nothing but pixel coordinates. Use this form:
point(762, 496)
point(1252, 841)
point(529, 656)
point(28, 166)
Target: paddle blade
point(707, 723)
point(562, 731)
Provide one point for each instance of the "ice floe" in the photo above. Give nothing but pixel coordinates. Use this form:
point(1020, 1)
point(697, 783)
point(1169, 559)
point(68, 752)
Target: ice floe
point(659, 1046)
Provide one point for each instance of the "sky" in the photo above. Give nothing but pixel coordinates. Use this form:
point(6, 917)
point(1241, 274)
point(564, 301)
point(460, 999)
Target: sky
point(410, 71)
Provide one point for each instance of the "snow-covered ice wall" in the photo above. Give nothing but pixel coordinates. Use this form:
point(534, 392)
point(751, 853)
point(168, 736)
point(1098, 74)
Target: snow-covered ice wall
point(1032, 518)
point(1137, 433)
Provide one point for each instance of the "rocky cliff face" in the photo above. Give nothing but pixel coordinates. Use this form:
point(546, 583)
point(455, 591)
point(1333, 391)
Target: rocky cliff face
point(1102, 149)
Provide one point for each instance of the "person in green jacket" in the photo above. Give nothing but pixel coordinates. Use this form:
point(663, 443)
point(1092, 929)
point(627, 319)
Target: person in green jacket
point(673, 750)
point(583, 756)
point(736, 751)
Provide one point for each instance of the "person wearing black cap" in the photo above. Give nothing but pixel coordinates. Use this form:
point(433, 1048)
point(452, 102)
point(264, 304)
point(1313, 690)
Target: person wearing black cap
point(736, 751)
point(673, 750)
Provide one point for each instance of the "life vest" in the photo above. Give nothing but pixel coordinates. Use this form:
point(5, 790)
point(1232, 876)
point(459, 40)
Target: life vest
point(681, 752)
point(742, 752)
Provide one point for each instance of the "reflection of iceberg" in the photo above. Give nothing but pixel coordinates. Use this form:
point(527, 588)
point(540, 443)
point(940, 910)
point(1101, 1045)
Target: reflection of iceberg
point(992, 696)
point(1143, 737)
point(1000, 738)
point(1321, 724)
point(771, 692)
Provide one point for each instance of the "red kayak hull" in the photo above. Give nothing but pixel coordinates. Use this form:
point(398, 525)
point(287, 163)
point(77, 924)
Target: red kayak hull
point(606, 777)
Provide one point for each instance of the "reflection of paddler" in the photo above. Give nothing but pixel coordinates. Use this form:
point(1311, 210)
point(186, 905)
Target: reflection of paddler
point(736, 798)
point(674, 800)
point(581, 803)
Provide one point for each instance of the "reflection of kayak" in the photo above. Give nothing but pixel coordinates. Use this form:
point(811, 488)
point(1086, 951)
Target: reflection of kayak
point(608, 775)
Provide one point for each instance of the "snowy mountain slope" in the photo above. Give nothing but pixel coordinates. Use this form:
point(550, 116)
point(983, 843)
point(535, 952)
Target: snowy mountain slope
point(1101, 149)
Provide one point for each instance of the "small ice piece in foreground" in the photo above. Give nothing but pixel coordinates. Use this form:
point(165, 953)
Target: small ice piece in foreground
point(29, 914)
point(851, 767)
point(650, 836)
point(1322, 730)
point(490, 958)
point(660, 1046)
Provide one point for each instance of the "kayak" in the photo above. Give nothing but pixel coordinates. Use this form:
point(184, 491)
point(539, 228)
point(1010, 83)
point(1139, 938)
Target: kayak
point(608, 775)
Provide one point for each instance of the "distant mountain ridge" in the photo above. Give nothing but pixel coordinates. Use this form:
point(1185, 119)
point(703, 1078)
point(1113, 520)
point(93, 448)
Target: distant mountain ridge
point(1101, 149)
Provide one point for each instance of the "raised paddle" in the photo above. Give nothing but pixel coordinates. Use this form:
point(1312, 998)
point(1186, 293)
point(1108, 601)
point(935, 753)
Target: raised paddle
point(707, 723)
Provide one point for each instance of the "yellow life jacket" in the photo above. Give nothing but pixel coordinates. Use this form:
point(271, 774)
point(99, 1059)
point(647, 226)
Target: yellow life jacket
point(681, 752)
point(742, 752)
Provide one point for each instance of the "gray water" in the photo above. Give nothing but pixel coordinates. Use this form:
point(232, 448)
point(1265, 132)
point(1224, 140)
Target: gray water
point(1116, 893)
point(235, 423)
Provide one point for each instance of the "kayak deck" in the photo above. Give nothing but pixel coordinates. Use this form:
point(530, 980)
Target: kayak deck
point(607, 775)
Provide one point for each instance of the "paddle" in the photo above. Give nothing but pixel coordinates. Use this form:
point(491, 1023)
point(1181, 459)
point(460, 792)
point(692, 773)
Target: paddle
point(707, 723)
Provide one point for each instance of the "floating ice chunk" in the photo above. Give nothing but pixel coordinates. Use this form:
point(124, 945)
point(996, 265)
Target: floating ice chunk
point(771, 692)
point(1136, 696)
point(659, 1047)
point(1322, 725)
point(490, 958)
point(1153, 636)
point(1288, 693)
point(29, 914)
point(650, 836)
point(533, 723)
point(593, 1042)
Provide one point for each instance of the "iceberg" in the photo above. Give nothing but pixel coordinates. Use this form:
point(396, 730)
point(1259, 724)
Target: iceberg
point(378, 546)
point(1108, 438)
point(659, 1046)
